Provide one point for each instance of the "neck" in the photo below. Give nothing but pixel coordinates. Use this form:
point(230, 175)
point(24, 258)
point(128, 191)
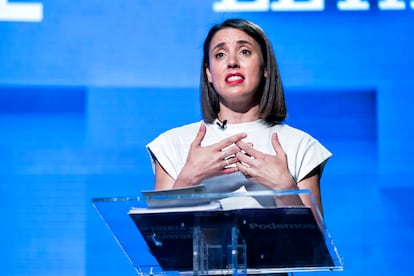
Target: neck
point(234, 117)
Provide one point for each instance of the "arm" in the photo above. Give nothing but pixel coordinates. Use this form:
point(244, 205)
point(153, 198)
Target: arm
point(312, 182)
point(163, 180)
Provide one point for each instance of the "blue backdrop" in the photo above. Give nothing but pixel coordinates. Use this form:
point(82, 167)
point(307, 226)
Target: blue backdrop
point(85, 85)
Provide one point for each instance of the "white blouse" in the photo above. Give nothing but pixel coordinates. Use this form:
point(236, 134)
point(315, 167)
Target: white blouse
point(304, 153)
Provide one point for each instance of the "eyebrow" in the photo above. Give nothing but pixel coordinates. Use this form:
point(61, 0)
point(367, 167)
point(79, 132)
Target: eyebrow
point(241, 42)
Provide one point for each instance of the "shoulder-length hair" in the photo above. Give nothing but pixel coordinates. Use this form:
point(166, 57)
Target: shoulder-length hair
point(271, 98)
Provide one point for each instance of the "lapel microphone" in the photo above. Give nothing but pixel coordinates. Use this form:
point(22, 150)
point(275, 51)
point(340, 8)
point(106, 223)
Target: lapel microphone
point(222, 125)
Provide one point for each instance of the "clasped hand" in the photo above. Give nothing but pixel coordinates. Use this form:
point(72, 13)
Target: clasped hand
point(231, 155)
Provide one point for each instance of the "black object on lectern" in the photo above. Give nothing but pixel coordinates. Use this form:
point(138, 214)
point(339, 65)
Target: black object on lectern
point(275, 237)
point(206, 239)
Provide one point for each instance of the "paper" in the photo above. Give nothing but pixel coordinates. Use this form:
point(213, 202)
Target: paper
point(214, 205)
point(175, 197)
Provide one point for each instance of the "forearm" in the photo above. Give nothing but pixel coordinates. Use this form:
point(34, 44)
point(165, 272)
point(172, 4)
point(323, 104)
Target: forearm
point(287, 183)
point(186, 178)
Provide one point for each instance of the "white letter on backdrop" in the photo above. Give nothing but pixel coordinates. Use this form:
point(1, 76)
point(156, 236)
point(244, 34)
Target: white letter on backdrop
point(235, 6)
point(18, 11)
point(353, 5)
point(295, 5)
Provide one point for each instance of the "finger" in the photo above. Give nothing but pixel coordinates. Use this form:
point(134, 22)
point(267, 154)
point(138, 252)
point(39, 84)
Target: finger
point(230, 151)
point(230, 165)
point(229, 170)
point(230, 162)
point(243, 169)
point(200, 135)
point(231, 140)
point(276, 144)
point(246, 160)
point(249, 150)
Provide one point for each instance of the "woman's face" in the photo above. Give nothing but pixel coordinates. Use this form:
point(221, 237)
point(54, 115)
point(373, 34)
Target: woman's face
point(236, 66)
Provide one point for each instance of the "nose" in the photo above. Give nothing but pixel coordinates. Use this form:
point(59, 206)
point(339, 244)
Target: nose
point(232, 61)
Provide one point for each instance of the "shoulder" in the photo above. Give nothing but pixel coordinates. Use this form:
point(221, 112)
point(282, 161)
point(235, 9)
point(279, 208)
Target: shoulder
point(296, 138)
point(285, 130)
point(185, 132)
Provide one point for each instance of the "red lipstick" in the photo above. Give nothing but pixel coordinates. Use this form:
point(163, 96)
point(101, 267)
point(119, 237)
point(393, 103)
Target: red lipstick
point(234, 78)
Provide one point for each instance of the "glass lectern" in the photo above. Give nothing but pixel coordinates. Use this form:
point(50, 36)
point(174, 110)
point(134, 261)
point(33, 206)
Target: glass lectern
point(239, 233)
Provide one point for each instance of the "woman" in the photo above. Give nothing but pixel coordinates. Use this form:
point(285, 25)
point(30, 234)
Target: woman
point(242, 141)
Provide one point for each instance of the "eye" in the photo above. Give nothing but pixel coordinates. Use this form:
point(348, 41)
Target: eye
point(245, 52)
point(219, 55)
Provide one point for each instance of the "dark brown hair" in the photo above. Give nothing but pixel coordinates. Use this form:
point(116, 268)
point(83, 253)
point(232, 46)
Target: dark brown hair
point(271, 97)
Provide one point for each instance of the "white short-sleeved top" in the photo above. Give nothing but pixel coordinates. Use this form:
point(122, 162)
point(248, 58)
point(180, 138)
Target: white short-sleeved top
point(304, 153)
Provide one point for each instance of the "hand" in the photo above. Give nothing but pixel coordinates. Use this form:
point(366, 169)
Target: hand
point(266, 169)
point(205, 162)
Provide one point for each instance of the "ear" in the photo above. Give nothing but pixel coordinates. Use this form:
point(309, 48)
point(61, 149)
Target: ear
point(209, 78)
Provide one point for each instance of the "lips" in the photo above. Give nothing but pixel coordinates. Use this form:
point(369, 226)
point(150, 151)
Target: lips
point(234, 78)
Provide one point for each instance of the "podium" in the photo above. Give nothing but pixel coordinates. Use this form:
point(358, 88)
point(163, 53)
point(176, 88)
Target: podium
point(238, 233)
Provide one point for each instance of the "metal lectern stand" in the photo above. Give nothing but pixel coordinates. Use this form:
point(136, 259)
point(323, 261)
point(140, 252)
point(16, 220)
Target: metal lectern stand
point(202, 234)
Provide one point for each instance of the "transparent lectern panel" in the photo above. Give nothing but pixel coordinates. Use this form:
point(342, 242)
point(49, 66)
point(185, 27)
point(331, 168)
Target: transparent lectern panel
point(275, 232)
point(114, 213)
